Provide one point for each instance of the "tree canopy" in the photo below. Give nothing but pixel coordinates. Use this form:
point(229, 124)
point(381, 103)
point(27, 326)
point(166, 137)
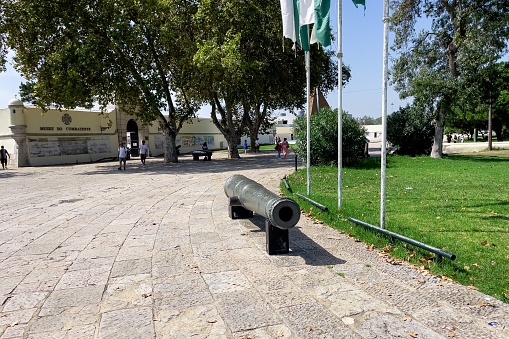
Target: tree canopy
point(162, 59)
point(250, 74)
point(434, 64)
point(136, 54)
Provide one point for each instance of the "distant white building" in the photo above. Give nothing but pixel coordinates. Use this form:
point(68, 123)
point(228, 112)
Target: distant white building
point(374, 133)
point(283, 128)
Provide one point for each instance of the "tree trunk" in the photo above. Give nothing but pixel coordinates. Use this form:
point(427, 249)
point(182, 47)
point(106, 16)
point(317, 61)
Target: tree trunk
point(233, 151)
point(438, 139)
point(252, 140)
point(170, 138)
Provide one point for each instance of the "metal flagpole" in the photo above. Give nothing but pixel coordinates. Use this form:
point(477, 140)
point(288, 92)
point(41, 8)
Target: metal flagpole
point(384, 112)
point(308, 121)
point(340, 102)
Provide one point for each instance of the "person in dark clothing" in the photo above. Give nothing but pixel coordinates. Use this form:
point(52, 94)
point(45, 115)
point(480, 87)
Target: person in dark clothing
point(3, 157)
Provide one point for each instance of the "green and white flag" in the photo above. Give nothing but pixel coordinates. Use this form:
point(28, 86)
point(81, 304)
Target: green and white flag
point(359, 2)
point(299, 14)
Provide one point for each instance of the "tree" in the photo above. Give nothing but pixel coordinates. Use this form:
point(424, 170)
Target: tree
point(487, 89)
point(136, 54)
point(3, 37)
point(366, 120)
point(250, 74)
point(432, 63)
point(324, 136)
point(410, 131)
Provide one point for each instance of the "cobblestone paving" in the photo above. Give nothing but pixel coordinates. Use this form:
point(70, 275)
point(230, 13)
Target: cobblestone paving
point(88, 251)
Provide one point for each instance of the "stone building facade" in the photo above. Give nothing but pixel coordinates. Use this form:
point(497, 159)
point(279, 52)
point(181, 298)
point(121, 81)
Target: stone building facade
point(37, 138)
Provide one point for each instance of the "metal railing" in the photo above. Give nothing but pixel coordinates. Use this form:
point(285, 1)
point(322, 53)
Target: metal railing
point(439, 253)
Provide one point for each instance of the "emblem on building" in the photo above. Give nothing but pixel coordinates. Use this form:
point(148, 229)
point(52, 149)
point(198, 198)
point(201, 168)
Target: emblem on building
point(66, 119)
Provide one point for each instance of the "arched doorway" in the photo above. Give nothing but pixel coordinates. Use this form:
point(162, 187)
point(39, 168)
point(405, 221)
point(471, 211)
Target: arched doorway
point(132, 138)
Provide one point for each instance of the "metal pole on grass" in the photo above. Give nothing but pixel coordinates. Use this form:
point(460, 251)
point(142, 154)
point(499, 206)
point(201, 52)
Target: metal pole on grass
point(340, 102)
point(384, 113)
point(308, 121)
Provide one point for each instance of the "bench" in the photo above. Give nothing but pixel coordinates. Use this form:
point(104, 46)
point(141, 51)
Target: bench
point(207, 155)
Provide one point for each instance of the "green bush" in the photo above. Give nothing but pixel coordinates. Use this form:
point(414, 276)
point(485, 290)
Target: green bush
point(410, 132)
point(324, 137)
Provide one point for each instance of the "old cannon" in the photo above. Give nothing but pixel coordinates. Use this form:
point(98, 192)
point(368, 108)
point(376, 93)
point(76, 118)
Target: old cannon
point(247, 196)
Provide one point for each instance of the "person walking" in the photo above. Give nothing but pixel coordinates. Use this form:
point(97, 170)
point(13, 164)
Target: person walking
point(3, 157)
point(245, 146)
point(257, 146)
point(285, 147)
point(122, 155)
point(143, 152)
point(278, 148)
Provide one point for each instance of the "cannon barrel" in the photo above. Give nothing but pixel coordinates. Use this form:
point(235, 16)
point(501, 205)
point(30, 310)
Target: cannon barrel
point(283, 213)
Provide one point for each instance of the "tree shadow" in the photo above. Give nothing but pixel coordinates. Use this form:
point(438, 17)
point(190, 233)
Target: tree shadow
point(186, 165)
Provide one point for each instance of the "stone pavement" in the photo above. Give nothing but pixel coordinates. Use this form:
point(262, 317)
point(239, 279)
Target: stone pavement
point(88, 251)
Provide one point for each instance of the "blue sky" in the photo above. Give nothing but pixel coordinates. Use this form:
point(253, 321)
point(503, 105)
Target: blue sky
point(362, 51)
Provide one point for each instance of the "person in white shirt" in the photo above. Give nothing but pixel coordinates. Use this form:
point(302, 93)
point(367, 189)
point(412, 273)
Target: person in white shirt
point(143, 152)
point(122, 155)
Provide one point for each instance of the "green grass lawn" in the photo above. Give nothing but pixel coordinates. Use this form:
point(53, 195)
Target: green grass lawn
point(459, 204)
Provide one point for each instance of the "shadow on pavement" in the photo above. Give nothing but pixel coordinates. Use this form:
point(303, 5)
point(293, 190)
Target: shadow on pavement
point(300, 245)
point(187, 165)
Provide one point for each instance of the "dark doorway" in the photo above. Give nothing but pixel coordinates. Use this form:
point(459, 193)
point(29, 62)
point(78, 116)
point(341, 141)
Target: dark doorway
point(132, 138)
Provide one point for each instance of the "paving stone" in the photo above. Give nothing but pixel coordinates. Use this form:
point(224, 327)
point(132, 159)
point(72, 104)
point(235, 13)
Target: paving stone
point(131, 267)
point(59, 324)
point(170, 263)
point(244, 310)
point(226, 281)
point(16, 317)
point(314, 321)
point(14, 332)
point(127, 292)
point(202, 321)
point(24, 301)
point(82, 297)
point(84, 278)
point(134, 323)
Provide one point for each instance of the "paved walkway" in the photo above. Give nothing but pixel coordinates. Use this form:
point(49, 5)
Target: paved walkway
point(88, 251)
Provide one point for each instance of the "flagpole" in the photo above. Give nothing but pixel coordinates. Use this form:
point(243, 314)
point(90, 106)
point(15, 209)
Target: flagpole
point(308, 121)
point(384, 113)
point(340, 102)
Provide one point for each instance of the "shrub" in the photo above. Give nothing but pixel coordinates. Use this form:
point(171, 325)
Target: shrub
point(410, 132)
point(324, 137)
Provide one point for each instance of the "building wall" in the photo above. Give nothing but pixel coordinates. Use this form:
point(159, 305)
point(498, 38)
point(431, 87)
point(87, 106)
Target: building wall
point(374, 132)
point(191, 137)
point(36, 138)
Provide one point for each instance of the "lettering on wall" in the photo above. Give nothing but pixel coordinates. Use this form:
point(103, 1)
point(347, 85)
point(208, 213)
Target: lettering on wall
point(44, 147)
point(79, 129)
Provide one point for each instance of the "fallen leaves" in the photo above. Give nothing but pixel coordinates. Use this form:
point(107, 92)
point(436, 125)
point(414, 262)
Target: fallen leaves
point(311, 328)
point(14, 323)
point(484, 304)
point(487, 243)
point(211, 321)
point(412, 334)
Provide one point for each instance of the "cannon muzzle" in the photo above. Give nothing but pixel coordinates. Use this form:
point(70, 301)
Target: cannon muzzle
point(283, 213)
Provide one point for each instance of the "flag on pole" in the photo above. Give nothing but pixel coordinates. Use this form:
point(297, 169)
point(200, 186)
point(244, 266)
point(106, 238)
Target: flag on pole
point(306, 12)
point(359, 2)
